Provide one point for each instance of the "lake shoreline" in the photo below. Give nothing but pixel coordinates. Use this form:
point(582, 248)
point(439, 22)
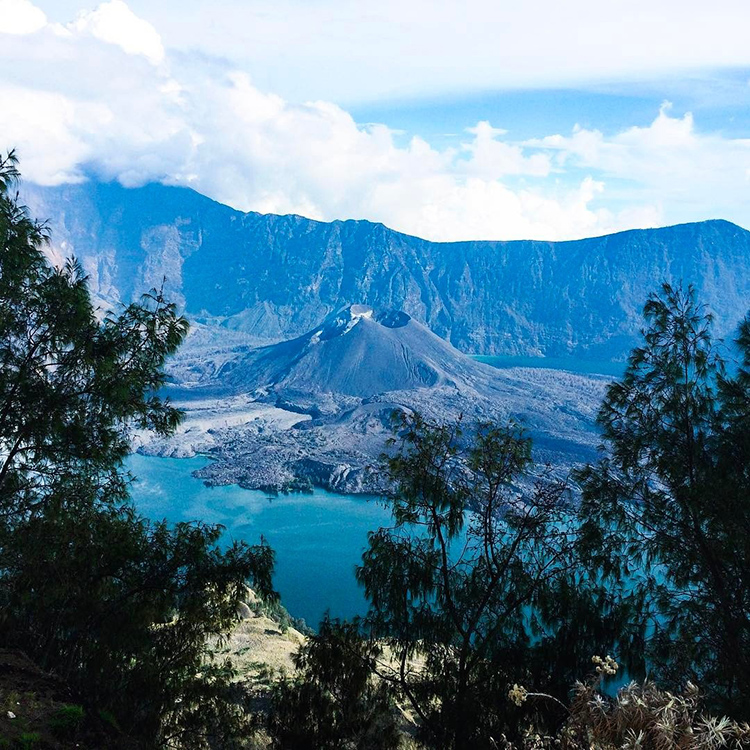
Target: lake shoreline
point(316, 537)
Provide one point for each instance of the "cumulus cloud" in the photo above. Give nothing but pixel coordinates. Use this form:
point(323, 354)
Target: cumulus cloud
point(20, 17)
point(668, 161)
point(101, 96)
point(114, 22)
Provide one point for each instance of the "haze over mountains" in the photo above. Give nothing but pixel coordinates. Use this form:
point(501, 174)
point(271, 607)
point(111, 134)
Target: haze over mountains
point(273, 278)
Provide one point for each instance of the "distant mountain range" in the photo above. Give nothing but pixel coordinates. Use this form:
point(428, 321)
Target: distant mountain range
point(272, 278)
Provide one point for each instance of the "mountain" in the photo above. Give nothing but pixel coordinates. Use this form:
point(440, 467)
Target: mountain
point(318, 409)
point(270, 278)
point(357, 352)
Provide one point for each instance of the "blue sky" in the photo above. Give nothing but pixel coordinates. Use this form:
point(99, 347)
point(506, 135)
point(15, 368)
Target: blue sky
point(720, 100)
point(451, 121)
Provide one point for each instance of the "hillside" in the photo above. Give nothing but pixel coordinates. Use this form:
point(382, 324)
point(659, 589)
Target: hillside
point(39, 710)
point(271, 278)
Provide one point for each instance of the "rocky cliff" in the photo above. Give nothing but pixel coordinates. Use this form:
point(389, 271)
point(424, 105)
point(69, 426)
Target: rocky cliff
point(274, 277)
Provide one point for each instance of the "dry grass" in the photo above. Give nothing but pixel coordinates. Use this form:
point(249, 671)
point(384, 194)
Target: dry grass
point(260, 641)
point(640, 717)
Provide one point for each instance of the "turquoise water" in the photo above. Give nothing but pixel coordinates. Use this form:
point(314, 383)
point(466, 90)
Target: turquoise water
point(586, 367)
point(318, 538)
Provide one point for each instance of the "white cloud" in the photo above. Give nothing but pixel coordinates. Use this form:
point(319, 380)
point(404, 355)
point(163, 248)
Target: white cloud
point(669, 161)
point(104, 97)
point(20, 17)
point(422, 47)
point(45, 127)
point(492, 157)
point(115, 23)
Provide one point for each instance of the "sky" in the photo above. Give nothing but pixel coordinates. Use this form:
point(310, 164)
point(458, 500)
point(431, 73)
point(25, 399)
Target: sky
point(484, 119)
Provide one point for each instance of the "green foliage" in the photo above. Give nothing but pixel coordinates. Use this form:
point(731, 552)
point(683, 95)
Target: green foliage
point(109, 719)
point(476, 583)
point(29, 740)
point(118, 606)
point(666, 509)
point(333, 702)
point(71, 383)
point(66, 721)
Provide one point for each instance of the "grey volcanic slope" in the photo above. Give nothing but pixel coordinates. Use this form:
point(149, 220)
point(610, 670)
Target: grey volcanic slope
point(274, 277)
point(357, 352)
point(348, 376)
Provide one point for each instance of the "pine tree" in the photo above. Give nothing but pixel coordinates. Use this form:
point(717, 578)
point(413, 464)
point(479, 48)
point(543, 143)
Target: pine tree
point(666, 510)
point(476, 586)
point(120, 607)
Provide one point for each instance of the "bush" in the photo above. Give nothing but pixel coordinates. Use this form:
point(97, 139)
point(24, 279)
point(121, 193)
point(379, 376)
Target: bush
point(29, 741)
point(66, 721)
point(640, 717)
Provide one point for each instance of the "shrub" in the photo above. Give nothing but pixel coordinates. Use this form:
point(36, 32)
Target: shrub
point(640, 717)
point(334, 702)
point(66, 721)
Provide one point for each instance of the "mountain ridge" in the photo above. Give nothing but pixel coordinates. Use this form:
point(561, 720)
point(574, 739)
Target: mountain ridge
point(271, 277)
point(32, 189)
